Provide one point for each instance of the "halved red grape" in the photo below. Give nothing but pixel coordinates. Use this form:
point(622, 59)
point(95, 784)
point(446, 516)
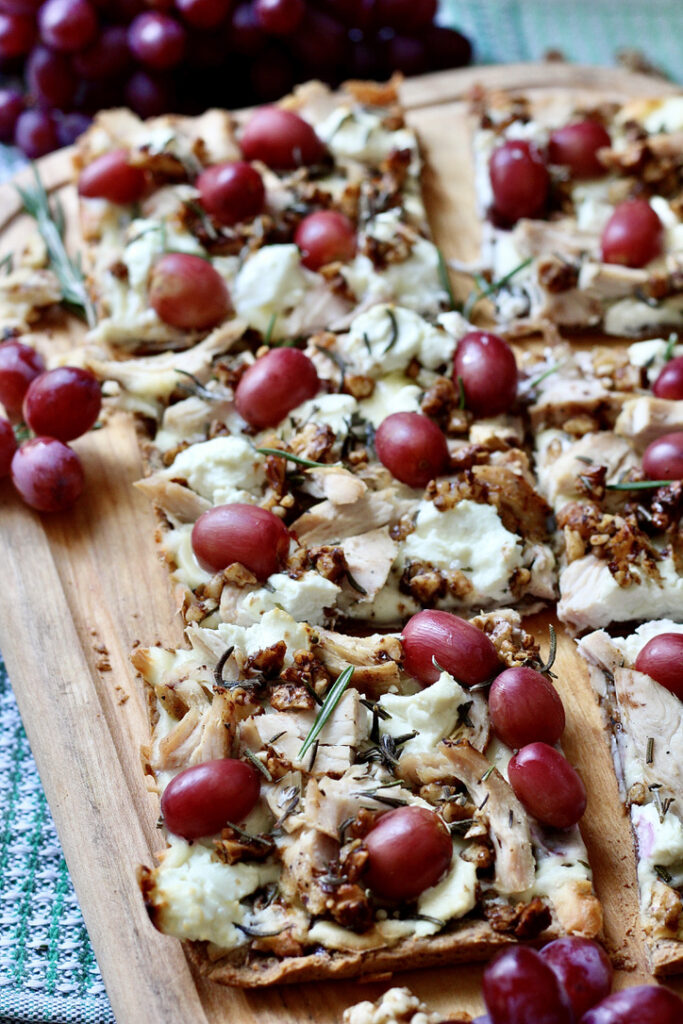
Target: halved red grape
point(50, 78)
point(281, 139)
point(17, 35)
point(633, 235)
point(662, 659)
point(279, 17)
point(583, 969)
point(644, 1004)
point(67, 25)
point(247, 534)
point(409, 850)
point(519, 988)
point(274, 385)
point(231, 192)
point(48, 474)
point(525, 707)
point(324, 237)
point(486, 365)
point(188, 292)
point(412, 447)
point(11, 105)
point(63, 403)
point(519, 179)
point(669, 383)
point(203, 13)
point(576, 146)
point(204, 798)
point(663, 458)
point(8, 446)
point(107, 56)
point(455, 644)
point(547, 785)
point(19, 365)
point(112, 177)
point(157, 40)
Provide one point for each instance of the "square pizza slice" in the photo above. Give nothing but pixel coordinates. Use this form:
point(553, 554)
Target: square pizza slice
point(291, 885)
point(637, 679)
point(581, 211)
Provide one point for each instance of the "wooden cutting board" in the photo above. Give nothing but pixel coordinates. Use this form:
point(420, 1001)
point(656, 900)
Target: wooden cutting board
point(81, 589)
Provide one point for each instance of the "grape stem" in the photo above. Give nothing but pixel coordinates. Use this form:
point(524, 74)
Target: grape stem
point(51, 225)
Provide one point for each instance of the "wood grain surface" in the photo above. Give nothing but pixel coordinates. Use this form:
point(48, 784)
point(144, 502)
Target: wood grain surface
point(82, 588)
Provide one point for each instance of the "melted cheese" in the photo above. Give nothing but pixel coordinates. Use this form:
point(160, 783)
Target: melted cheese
point(274, 626)
point(353, 133)
point(386, 338)
point(223, 470)
point(305, 598)
point(432, 713)
point(177, 544)
point(271, 283)
point(455, 895)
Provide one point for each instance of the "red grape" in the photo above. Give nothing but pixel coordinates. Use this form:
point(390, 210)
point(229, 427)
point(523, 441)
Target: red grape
point(547, 785)
point(324, 237)
point(17, 35)
point(148, 95)
point(366, 57)
point(188, 292)
point(281, 139)
point(67, 25)
point(231, 192)
point(353, 13)
point(404, 15)
point(583, 969)
point(157, 40)
point(663, 458)
point(272, 73)
point(576, 146)
point(35, 133)
point(525, 707)
point(63, 403)
point(320, 44)
point(50, 78)
point(107, 56)
point(204, 798)
point(519, 988)
point(406, 54)
point(669, 383)
point(247, 534)
point(274, 385)
point(246, 34)
point(446, 47)
point(662, 659)
point(633, 235)
point(8, 446)
point(409, 850)
point(519, 179)
point(11, 105)
point(29, 7)
point(19, 365)
point(71, 126)
point(644, 1004)
point(279, 17)
point(203, 13)
point(486, 365)
point(48, 474)
point(112, 177)
point(455, 644)
point(412, 448)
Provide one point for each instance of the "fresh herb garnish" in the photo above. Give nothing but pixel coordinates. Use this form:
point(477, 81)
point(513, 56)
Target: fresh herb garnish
point(393, 337)
point(445, 279)
point(552, 653)
point(637, 485)
point(537, 380)
point(258, 763)
point(332, 698)
point(291, 457)
point(495, 286)
point(650, 753)
point(670, 346)
point(355, 584)
point(51, 225)
point(487, 773)
point(218, 671)
point(7, 263)
point(269, 329)
point(662, 874)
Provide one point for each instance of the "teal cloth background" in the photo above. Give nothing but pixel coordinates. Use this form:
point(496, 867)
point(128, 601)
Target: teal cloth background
point(47, 968)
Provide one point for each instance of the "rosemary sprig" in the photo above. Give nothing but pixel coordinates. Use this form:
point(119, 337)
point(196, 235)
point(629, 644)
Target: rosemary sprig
point(662, 874)
point(218, 671)
point(258, 764)
point(670, 346)
point(197, 388)
point(445, 280)
point(7, 263)
point(484, 293)
point(552, 653)
point(50, 221)
point(393, 338)
point(332, 698)
point(269, 329)
point(637, 485)
point(537, 380)
point(291, 457)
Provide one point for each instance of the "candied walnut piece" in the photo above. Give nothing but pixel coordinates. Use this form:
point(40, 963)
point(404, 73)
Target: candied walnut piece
point(329, 562)
point(314, 441)
point(358, 385)
point(524, 921)
point(557, 275)
point(290, 697)
point(440, 398)
point(269, 661)
point(616, 539)
point(235, 845)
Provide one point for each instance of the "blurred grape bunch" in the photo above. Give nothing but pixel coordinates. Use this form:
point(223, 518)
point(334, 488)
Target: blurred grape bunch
point(62, 60)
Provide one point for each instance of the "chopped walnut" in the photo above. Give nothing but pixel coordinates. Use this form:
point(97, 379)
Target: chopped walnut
point(557, 275)
point(269, 661)
point(615, 539)
point(238, 576)
point(329, 562)
point(358, 386)
point(524, 921)
point(234, 846)
point(479, 854)
point(514, 645)
point(314, 441)
point(290, 697)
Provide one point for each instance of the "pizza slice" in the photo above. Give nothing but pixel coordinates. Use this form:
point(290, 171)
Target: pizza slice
point(581, 211)
point(184, 250)
point(637, 679)
point(342, 745)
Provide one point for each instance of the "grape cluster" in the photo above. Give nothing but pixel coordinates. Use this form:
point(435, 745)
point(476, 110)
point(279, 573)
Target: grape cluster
point(56, 406)
point(71, 58)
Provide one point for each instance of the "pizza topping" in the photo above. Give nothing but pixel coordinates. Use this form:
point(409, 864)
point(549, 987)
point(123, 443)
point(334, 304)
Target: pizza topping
point(662, 659)
point(633, 235)
point(412, 447)
point(231, 192)
point(187, 292)
point(325, 237)
point(525, 707)
point(204, 798)
point(669, 382)
point(576, 147)
point(486, 366)
point(434, 638)
point(519, 179)
point(547, 785)
point(663, 458)
point(113, 177)
point(281, 139)
point(409, 849)
point(241, 533)
point(274, 385)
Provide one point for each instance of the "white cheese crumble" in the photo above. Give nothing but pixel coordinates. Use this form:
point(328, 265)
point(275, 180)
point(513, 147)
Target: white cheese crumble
point(393, 393)
point(223, 470)
point(274, 626)
point(455, 895)
point(304, 598)
point(199, 896)
point(432, 713)
point(353, 133)
point(666, 115)
point(335, 410)
point(177, 543)
point(386, 338)
point(272, 282)
point(651, 354)
point(469, 537)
